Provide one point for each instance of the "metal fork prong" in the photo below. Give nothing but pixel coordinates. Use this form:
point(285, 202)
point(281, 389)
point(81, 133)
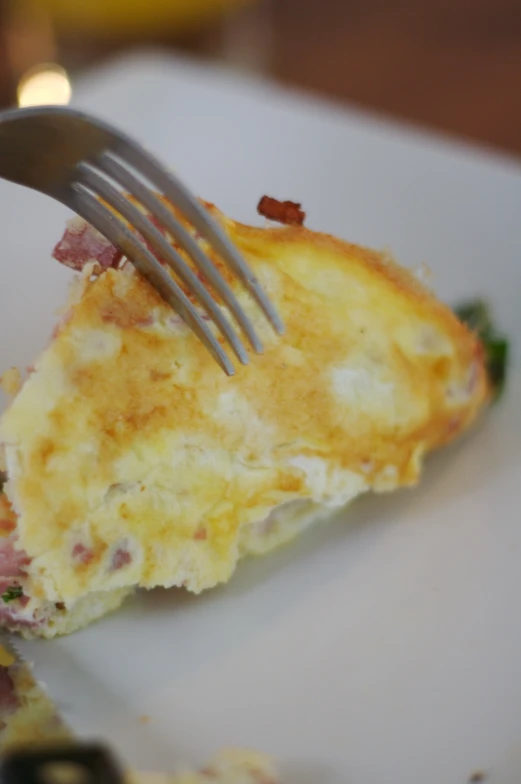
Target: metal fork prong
point(99, 185)
point(175, 191)
point(111, 166)
point(88, 206)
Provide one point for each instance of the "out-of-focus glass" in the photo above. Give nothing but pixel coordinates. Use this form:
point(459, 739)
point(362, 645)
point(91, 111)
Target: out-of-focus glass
point(135, 17)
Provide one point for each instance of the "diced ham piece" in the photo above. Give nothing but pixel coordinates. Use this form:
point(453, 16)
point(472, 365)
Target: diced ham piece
point(12, 561)
point(287, 212)
point(13, 571)
point(82, 554)
point(82, 244)
point(120, 559)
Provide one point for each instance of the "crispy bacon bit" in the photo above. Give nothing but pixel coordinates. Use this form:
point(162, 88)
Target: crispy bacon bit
point(82, 554)
point(201, 534)
point(121, 558)
point(82, 244)
point(287, 212)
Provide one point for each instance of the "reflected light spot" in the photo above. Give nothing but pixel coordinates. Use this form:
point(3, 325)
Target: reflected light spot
point(44, 85)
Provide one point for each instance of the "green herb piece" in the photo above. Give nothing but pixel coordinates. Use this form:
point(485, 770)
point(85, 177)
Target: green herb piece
point(476, 315)
point(13, 592)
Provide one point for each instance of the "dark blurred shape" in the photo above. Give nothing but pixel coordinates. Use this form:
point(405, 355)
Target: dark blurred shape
point(67, 764)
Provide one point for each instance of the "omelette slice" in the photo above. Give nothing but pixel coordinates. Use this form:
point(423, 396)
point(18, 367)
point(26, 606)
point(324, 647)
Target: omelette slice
point(133, 461)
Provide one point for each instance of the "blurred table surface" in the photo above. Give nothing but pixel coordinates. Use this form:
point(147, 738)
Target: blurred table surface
point(453, 65)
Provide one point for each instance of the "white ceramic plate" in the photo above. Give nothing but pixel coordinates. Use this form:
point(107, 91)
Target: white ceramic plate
point(385, 647)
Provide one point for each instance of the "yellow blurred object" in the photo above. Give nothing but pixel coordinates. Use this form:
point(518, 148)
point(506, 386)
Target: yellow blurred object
point(130, 17)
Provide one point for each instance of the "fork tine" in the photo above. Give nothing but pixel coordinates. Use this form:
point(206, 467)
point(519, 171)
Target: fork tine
point(109, 165)
point(119, 235)
point(99, 185)
point(179, 195)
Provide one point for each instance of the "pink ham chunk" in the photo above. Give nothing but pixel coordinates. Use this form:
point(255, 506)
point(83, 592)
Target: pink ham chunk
point(12, 561)
point(82, 244)
point(13, 564)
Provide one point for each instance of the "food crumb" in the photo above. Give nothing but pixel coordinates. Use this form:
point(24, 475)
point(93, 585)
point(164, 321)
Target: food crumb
point(11, 381)
point(145, 718)
point(478, 775)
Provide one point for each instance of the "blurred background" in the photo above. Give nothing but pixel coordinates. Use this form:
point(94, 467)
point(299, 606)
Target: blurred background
point(453, 65)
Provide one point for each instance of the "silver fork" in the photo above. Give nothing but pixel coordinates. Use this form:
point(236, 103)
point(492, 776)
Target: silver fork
point(76, 158)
